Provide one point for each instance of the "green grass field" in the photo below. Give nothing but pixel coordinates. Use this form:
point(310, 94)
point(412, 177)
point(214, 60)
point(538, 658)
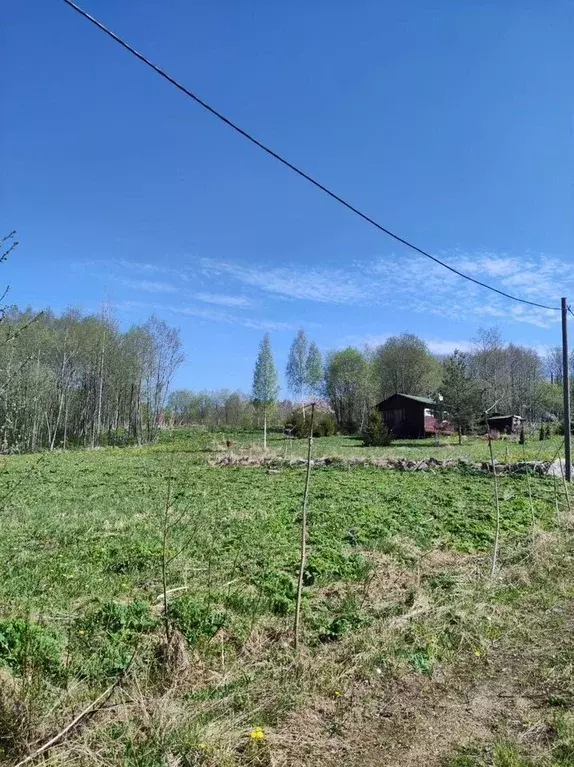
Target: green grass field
point(201, 444)
point(396, 585)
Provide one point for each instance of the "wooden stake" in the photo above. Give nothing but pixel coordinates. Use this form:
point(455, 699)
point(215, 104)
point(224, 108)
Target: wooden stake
point(566, 391)
point(303, 557)
point(497, 501)
point(566, 493)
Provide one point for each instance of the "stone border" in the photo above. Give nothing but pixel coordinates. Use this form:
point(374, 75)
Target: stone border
point(539, 468)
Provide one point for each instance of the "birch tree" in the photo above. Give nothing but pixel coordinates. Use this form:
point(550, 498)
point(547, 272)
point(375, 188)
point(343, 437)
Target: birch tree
point(314, 370)
point(296, 371)
point(265, 384)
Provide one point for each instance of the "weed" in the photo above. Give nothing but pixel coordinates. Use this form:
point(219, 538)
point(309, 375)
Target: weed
point(27, 647)
point(196, 621)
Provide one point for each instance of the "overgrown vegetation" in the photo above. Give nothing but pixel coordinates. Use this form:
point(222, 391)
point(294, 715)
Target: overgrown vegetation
point(395, 584)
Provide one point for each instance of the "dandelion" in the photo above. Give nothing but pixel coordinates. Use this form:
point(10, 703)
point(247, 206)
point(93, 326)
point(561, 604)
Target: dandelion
point(257, 734)
point(337, 693)
point(478, 653)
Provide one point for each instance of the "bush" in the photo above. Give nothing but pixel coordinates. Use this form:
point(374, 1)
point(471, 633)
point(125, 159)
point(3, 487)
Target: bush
point(376, 432)
point(324, 426)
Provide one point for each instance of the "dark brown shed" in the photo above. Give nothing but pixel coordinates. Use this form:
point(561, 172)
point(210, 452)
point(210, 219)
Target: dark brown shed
point(505, 424)
point(410, 416)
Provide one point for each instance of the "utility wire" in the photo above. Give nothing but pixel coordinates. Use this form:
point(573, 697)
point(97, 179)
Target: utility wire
point(292, 167)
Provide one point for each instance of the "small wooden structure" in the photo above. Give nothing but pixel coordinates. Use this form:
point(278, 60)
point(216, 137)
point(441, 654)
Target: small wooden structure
point(505, 424)
point(410, 416)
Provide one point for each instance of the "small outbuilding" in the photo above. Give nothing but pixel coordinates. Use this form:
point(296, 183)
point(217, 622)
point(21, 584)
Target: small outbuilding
point(408, 416)
point(505, 424)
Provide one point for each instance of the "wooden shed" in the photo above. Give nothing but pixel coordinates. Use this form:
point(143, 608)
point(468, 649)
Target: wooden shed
point(410, 416)
point(505, 424)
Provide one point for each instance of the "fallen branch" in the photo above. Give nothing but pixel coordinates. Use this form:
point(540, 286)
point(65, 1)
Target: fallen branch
point(102, 699)
point(94, 706)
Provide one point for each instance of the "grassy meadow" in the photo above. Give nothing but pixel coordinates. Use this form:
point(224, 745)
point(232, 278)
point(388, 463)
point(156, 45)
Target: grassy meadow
point(398, 607)
point(473, 449)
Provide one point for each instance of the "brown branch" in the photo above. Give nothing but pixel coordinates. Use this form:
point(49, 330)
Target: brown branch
point(94, 706)
point(103, 698)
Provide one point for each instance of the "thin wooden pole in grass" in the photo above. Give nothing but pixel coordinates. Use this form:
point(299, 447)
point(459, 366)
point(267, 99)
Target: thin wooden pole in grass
point(532, 514)
point(303, 557)
point(164, 562)
point(566, 493)
point(497, 501)
point(557, 507)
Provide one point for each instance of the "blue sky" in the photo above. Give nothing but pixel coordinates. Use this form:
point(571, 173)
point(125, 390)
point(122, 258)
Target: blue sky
point(450, 123)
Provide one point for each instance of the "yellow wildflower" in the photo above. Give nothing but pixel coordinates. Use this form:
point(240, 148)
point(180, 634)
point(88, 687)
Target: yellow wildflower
point(337, 693)
point(478, 653)
point(257, 734)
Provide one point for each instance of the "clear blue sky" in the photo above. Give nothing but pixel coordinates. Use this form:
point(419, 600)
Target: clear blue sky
point(451, 123)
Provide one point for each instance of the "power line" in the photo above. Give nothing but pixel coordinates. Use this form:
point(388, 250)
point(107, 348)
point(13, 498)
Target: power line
point(292, 167)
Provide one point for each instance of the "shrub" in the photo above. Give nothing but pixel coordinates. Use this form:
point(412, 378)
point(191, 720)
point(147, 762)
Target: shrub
point(324, 425)
point(376, 432)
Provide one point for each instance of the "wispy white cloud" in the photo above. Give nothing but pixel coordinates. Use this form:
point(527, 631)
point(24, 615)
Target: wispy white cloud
point(413, 283)
point(150, 287)
point(141, 267)
point(236, 302)
point(323, 285)
point(407, 282)
point(213, 315)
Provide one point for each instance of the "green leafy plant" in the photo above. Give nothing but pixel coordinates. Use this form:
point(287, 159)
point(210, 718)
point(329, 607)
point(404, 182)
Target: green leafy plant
point(376, 433)
point(103, 641)
point(26, 646)
point(196, 621)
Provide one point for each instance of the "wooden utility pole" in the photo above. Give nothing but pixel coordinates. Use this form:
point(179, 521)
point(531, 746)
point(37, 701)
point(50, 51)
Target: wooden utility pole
point(566, 388)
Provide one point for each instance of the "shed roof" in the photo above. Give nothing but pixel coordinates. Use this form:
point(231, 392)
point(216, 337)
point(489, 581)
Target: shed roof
point(422, 400)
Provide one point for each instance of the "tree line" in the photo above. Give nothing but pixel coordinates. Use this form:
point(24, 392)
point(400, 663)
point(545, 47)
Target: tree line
point(505, 377)
point(78, 380)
